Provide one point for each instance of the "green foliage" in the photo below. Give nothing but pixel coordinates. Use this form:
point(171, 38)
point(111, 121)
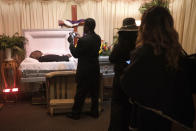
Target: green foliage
point(16, 43)
point(145, 6)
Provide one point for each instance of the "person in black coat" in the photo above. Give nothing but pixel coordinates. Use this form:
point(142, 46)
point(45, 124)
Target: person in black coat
point(88, 70)
point(120, 107)
point(157, 80)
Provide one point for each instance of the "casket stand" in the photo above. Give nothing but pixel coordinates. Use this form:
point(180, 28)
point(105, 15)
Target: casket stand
point(61, 89)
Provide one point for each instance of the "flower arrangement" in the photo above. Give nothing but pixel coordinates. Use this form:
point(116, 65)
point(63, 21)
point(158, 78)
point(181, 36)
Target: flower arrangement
point(14, 43)
point(105, 49)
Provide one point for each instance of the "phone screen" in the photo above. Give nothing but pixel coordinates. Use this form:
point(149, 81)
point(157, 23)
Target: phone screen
point(128, 62)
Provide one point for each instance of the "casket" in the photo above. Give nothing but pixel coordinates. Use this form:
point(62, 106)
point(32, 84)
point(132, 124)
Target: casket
point(53, 41)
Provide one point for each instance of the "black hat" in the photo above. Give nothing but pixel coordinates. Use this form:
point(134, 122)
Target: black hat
point(129, 25)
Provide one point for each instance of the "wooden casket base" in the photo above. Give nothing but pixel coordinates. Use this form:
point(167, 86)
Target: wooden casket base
point(61, 89)
point(58, 106)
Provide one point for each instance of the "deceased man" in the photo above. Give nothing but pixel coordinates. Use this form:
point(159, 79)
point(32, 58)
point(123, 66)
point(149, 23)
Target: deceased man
point(49, 57)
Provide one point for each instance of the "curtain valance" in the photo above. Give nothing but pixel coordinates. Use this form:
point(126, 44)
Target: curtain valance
point(77, 1)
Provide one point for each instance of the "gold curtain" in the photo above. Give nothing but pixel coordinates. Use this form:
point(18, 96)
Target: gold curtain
point(184, 14)
point(16, 15)
point(109, 15)
point(20, 15)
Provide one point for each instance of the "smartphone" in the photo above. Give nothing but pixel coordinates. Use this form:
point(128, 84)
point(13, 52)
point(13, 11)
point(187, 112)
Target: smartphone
point(128, 62)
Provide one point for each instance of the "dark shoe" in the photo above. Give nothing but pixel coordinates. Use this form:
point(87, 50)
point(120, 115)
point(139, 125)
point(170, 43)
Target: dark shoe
point(92, 114)
point(73, 116)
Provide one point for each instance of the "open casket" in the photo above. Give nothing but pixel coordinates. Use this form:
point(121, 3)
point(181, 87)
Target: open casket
point(52, 41)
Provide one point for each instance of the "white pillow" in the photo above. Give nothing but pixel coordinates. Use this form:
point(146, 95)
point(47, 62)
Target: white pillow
point(30, 60)
point(54, 52)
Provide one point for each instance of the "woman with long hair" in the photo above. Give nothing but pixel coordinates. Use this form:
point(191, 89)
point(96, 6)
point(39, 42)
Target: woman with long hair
point(157, 80)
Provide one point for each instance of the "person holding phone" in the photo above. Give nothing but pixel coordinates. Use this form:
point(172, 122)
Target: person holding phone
point(120, 57)
point(88, 70)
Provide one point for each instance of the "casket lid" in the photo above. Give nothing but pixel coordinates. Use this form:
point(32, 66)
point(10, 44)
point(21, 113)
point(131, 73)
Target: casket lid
point(48, 41)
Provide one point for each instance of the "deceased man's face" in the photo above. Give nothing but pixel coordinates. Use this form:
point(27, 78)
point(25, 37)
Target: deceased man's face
point(36, 54)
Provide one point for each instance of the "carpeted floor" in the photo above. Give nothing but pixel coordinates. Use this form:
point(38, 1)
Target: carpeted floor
point(1, 106)
point(23, 116)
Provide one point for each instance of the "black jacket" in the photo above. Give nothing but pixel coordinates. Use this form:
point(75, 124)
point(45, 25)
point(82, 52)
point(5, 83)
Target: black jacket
point(191, 62)
point(87, 52)
point(149, 81)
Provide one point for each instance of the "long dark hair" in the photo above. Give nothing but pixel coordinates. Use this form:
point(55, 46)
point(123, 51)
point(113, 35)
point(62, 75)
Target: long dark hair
point(157, 30)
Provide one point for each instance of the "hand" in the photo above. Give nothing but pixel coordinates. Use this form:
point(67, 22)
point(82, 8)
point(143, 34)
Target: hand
point(70, 40)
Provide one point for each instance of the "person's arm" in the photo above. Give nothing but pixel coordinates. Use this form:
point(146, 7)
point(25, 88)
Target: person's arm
point(79, 50)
